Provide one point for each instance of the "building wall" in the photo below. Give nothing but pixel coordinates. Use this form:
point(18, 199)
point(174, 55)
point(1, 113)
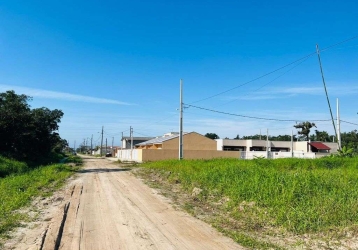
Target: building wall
point(166, 154)
point(191, 141)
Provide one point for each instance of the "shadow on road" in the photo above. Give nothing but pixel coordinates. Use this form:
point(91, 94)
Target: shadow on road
point(102, 170)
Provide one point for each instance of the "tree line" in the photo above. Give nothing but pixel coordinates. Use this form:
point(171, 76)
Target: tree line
point(28, 134)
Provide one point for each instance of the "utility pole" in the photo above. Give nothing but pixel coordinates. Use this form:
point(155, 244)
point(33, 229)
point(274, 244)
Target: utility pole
point(338, 127)
point(292, 143)
point(131, 135)
point(106, 146)
point(112, 150)
point(101, 142)
point(325, 89)
point(181, 121)
point(74, 146)
point(91, 143)
point(267, 144)
point(260, 134)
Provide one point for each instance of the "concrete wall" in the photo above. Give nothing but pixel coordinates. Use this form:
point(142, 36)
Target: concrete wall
point(191, 141)
point(130, 155)
point(143, 155)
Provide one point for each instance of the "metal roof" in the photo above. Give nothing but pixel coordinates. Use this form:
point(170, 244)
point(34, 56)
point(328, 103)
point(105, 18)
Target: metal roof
point(137, 138)
point(319, 145)
point(158, 140)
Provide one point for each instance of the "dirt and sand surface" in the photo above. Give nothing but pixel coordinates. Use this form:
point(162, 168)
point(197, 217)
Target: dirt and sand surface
point(106, 207)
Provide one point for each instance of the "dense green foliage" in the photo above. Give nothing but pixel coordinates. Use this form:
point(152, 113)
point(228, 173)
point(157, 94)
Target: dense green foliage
point(212, 136)
point(17, 191)
point(8, 167)
point(27, 134)
point(301, 195)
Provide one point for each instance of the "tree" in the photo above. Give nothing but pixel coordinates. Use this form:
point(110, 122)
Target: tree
point(305, 128)
point(212, 136)
point(25, 133)
point(321, 136)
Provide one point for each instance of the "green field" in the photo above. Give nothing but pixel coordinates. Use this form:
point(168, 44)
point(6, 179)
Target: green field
point(22, 184)
point(297, 195)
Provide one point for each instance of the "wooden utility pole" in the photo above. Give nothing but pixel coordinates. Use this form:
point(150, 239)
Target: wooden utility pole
point(101, 142)
point(325, 89)
point(181, 121)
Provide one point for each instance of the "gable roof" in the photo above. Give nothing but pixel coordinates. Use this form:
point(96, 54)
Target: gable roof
point(159, 140)
point(319, 145)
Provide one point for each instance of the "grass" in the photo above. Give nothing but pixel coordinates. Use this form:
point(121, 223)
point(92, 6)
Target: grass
point(23, 185)
point(299, 195)
point(8, 166)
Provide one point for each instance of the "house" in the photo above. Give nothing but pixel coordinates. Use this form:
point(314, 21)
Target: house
point(284, 148)
point(126, 141)
point(195, 146)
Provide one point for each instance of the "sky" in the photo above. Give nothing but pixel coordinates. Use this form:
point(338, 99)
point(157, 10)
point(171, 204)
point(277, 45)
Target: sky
point(118, 64)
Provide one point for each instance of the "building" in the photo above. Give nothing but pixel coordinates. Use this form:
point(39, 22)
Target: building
point(195, 146)
point(126, 141)
point(299, 148)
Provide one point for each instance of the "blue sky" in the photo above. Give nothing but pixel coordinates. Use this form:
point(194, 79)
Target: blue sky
point(118, 64)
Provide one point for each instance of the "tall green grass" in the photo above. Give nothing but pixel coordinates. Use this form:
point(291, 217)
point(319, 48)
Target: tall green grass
point(8, 166)
point(17, 191)
point(300, 195)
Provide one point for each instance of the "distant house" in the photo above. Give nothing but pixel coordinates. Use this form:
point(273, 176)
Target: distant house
point(195, 146)
point(318, 149)
point(126, 141)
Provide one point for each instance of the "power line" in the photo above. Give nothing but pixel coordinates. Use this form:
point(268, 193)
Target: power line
point(278, 69)
point(251, 117)
point(349, 122)
point(271, 80)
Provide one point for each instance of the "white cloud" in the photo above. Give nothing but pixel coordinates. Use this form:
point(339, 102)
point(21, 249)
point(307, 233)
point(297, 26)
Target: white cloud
point(280, 93)
point(59, 95)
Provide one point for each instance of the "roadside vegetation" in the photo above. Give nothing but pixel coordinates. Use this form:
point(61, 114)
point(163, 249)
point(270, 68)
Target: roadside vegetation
point(21, 184)
point(261, 203)
point(31, 150)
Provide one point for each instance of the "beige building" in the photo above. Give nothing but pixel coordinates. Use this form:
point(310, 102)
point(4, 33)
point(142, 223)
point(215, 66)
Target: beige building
point(195, 146)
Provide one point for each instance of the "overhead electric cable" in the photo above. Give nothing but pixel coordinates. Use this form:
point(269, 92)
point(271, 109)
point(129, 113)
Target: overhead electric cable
point(254, 117)
point(349, 122)
point(271, 72)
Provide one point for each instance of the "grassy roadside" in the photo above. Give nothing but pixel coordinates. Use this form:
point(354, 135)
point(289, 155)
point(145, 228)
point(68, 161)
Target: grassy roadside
point(18, 189)
point(263, 204)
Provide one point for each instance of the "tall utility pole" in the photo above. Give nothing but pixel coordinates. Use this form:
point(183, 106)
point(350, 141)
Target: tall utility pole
point(338, 127)
point(91, 143)
point(74, 146)
point(101, 142)
point(267, 143)
point(131, 135)
point(106, 146)
point(181, 121)
point(292, 144)
point(112, 150)
point(325, 89)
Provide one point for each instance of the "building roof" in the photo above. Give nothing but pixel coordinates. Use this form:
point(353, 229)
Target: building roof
point(319, 145)
point(159, 140)
point(137, 138)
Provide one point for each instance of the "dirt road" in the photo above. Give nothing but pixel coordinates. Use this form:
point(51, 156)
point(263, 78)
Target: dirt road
point(106, 207)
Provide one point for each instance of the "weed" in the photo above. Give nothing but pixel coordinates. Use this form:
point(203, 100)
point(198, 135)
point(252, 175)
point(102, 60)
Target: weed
point(298, 195)
point(17, 191)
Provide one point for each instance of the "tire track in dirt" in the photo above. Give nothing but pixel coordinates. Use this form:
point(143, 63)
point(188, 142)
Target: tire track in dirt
point(108, 208)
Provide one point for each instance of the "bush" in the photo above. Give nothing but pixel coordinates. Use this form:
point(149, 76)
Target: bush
point(8, 167)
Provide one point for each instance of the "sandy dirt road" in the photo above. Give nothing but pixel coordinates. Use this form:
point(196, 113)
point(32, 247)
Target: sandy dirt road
point(107, 207)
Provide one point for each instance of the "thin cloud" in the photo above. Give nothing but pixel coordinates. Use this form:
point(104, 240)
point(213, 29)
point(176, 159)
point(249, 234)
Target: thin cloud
point(60, 95)
point(280, 93)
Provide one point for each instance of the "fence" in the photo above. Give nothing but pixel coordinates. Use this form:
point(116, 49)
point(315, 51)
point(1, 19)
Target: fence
point(248, 155)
